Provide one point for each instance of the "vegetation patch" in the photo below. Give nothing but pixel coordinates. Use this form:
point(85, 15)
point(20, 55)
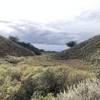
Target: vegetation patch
point(31, 79)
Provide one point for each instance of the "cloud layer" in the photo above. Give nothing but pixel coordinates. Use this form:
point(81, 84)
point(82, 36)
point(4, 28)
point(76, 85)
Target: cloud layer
point(82, 27)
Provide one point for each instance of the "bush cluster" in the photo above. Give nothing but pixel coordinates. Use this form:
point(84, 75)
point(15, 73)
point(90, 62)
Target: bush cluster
point(25, 81)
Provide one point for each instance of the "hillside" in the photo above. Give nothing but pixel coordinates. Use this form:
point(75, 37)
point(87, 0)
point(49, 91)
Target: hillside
point(30, 47)
point(43, 78)
point(8, 47)
point(85, 50)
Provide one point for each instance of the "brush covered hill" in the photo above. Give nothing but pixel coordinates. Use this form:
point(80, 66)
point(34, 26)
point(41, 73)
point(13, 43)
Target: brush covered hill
point(8, 47)
point(83, 50)
point(30, 47)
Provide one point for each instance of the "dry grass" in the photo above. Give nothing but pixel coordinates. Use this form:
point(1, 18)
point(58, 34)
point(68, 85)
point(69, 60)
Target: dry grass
point(39, 76)
point(85, 90)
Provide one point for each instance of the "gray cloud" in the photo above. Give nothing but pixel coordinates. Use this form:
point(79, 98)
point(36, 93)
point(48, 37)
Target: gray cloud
point(84, 26)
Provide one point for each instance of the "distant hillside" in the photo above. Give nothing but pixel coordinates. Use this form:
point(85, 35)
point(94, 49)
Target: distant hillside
point(25, 45)
point(82, 50)
point(30, 47)
point(8, 47)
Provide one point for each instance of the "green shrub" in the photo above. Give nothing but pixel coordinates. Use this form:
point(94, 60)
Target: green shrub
point(54, 80)
point(86, 90)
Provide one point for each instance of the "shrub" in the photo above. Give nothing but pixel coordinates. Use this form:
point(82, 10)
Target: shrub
point(55, 80)
point(85, 91)
point(13, 59)
point(39, 97)
point(8, 89)
point(26, 80)
point(75, 76)
point(71, 43)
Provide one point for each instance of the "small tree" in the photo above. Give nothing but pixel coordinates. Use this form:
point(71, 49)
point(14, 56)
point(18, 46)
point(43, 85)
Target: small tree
point(71, 43)
point(14, 38)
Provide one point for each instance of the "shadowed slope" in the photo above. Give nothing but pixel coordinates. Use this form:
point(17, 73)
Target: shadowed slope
point(8, 47)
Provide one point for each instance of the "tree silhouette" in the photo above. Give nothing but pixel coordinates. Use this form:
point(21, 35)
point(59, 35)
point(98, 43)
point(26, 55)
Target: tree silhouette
point(14, 38)
point(71, 43)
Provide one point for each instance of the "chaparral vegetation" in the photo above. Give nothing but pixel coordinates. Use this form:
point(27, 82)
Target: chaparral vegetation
point(44, 77)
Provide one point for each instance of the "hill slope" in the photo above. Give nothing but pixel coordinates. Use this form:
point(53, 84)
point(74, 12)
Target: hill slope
point(30, 47)
point(82, 50)
point(8, 47)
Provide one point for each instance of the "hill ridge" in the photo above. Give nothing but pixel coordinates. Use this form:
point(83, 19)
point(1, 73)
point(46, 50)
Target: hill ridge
point(8, 47)
point(81, 50)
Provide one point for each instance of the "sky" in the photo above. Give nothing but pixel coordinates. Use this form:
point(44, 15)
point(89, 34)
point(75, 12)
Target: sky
point(49, 24)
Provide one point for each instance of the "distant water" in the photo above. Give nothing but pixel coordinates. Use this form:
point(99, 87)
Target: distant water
point(49, 47)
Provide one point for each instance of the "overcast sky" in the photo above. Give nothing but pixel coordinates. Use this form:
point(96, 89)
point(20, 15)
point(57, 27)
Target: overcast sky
point(49, 24)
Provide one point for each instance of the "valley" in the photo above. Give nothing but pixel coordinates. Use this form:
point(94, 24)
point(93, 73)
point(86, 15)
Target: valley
point(43, 77)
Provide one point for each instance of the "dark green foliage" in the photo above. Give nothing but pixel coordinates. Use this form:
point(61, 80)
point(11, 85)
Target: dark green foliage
point(14, 39)
point(42, 51)
point(30, 47)
point(26, 90)
point(71, 43)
